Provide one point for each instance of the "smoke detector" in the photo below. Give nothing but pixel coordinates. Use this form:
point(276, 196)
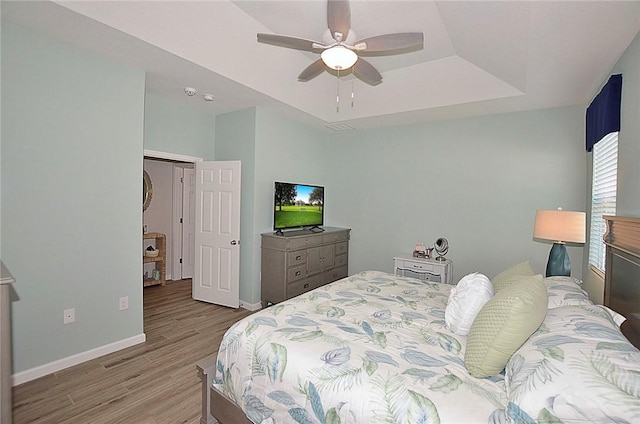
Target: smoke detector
point(190, 91)
point(208, 97)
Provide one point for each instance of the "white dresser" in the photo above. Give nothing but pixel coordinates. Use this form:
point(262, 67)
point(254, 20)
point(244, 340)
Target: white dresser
point(424, 268)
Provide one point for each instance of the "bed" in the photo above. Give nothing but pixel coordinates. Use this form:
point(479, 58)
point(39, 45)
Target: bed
point(377, 348)
point(622, 291)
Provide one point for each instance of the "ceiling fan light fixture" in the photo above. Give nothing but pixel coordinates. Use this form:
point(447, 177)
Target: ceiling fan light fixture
point(339, 58)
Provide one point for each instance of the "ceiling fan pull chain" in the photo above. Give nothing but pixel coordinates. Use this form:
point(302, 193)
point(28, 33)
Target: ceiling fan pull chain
point(338, 92)
point(352, 93)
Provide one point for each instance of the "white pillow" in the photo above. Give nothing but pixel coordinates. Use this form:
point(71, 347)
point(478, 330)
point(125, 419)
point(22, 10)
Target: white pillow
point(465, 301)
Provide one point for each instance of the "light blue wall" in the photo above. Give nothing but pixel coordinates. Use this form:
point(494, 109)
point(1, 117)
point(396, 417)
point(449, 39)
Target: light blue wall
point(476, 182)
point(72, 129)
point(173, 128)
point(271, 148)
point(628, 196)
point(287, 151)
point(235, 140)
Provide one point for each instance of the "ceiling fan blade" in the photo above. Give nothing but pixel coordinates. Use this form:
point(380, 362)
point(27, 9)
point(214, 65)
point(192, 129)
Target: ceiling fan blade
point(288, 42)
point(339, 17)
point(389, 44)
point(366, 72)
point(312, 71)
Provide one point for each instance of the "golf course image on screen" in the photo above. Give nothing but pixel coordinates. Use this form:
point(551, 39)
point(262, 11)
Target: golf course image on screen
point(298, 205)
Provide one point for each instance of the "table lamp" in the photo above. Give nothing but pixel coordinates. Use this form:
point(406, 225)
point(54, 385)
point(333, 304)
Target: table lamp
point(560, 227)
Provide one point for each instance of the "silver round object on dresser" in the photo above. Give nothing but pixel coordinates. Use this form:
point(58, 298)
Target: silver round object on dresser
point(442, 247)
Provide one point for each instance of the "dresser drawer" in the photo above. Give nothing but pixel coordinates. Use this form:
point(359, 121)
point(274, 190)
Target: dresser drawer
point(303, 242)
point(334, 274)
point(296, 257)
point(341, 260)
point(342, 248)
point(434, 278)
point(300, 287)
point(296, 273)
point(416, 266)
point(314, 282)
point(335, 236)
point(303, 286)
point(425, 269)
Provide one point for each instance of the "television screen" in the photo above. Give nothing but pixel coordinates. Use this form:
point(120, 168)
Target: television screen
point(298, 205)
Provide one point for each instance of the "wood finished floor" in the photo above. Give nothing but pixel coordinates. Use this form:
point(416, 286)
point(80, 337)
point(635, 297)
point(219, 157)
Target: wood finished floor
point(151, 383)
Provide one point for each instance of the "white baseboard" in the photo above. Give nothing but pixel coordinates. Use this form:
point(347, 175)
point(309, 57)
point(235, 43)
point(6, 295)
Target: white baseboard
point(250, 306)
point(69, 361)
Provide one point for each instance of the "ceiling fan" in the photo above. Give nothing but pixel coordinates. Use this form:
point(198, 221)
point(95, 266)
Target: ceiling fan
point(342, 51)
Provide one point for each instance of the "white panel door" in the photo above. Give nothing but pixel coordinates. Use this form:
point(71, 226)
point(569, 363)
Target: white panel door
point(217, 233)
point(188, 222)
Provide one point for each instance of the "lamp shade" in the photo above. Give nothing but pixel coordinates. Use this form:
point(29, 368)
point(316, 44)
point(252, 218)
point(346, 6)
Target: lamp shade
point(559, 225)
point(339, 58)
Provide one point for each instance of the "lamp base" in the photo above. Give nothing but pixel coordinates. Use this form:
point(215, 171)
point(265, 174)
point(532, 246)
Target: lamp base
point(559, 263)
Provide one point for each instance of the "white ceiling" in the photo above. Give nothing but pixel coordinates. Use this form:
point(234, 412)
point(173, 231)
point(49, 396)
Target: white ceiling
point(479, 57)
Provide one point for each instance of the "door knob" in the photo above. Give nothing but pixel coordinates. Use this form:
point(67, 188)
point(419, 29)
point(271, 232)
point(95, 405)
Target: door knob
point(234, 242)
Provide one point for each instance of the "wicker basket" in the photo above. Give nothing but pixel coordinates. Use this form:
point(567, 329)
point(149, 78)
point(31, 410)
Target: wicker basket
point(151, 253)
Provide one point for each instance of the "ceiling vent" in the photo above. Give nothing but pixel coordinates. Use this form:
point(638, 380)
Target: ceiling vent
point(339, 127)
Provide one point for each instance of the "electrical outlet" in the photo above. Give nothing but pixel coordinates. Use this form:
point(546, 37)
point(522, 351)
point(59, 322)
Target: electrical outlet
point(69, 316)
point(124, 303)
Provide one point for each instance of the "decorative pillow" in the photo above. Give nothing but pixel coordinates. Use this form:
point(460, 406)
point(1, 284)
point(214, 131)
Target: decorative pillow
point(503, 324)
point(511, 275)
point(564, 291)
point(465, 301)
point(577, 368)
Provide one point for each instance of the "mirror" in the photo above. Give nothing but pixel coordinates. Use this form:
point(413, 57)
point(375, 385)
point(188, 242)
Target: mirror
point(147, 191)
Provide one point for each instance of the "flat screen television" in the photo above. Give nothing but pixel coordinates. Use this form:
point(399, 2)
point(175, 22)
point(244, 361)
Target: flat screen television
point(297, 206)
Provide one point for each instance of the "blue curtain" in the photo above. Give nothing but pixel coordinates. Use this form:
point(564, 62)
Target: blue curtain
point(603, 114)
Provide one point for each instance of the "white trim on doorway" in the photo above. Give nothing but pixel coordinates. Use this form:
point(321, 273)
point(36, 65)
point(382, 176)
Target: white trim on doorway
point(171, 156)
point(183, 218)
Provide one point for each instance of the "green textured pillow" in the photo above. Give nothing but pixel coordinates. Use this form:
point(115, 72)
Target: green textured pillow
point(503, 324)
point(511, 275)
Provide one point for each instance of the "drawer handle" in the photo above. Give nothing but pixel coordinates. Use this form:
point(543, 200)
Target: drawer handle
point(298, 273)
point(298, 257)
point(306, 286)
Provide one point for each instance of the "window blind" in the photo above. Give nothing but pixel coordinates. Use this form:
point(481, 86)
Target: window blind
point(603, 195)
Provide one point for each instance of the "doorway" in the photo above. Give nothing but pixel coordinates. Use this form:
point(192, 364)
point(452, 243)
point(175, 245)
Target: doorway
point(198, 208)
point(171, 210)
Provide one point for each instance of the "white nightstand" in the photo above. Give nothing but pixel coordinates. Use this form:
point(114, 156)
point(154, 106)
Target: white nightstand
point(424, 269)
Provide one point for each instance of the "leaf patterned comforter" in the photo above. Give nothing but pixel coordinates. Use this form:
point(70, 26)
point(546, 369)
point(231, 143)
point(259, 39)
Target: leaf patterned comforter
point(577, 368)
point(370, 348)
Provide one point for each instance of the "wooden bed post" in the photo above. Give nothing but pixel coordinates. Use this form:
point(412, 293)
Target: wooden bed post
point(216, 407)
point(206, 370)
point(622, 273)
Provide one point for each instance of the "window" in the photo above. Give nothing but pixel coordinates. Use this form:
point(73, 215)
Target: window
point(603, 195)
